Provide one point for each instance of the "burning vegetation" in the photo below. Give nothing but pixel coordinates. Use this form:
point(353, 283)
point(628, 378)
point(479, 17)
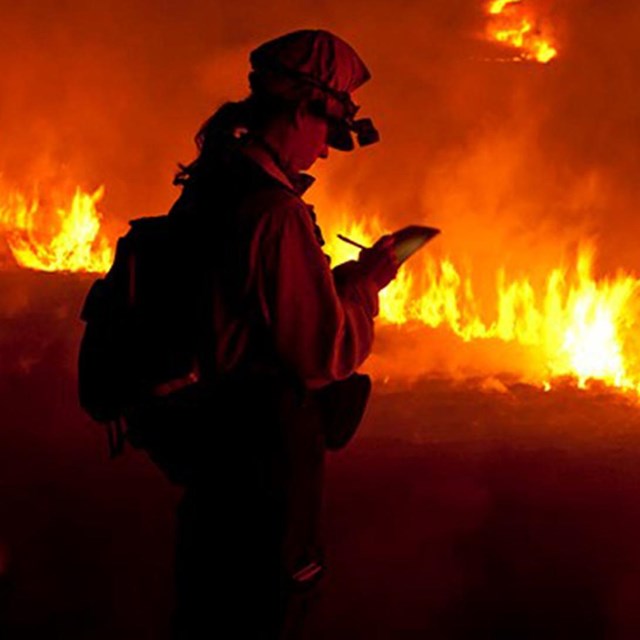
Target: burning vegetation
point(521, 145)
point(578, 325)
point(573, 322)
point(52, 237)
point(511, 24)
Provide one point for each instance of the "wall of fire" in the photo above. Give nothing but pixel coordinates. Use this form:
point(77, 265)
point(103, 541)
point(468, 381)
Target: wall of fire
point(512, 125)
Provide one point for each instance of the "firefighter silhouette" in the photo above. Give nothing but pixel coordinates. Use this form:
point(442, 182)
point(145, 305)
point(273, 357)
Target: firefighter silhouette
point(277, 341)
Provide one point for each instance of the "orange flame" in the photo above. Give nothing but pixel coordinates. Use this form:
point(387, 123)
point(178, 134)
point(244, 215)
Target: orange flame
point(578, 326)
point(510, 25)
point(65, 239)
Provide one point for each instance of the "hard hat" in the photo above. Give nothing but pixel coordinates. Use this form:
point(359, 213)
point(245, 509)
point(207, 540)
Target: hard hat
point(294, 63)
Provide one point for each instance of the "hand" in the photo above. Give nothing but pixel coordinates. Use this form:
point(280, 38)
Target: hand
point(380, 261)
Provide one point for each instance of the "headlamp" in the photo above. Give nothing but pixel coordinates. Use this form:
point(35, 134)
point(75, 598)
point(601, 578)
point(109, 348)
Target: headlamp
point(342, 127)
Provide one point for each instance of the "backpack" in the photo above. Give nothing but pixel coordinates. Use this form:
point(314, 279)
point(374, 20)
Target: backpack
point(139, 339)
point(145, 325)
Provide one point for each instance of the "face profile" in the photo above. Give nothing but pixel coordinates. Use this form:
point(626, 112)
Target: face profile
point(313, 131)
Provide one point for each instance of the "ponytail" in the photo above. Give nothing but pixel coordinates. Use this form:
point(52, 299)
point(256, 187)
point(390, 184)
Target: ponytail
point(227, 125)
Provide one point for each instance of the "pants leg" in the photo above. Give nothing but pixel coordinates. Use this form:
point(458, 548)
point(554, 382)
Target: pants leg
point(228, 583)
point(248, 522)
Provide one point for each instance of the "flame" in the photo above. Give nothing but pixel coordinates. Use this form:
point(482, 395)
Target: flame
point(66, 238)
point(497, 7)
point(578, 326)
point(510, 25)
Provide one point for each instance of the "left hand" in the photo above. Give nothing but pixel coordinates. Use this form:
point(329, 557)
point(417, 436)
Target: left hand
point(380, 261)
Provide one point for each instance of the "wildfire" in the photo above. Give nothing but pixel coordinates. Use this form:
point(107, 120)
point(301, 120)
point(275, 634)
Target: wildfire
point(579, 326)
point(59, 238)
point(510, 24)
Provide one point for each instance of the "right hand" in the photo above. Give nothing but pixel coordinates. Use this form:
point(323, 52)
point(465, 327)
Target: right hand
point(380, 261)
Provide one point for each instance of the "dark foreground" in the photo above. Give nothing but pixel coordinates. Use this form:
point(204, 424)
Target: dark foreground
point(455, 513)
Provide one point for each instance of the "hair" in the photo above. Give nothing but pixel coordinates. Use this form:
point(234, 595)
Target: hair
point(230, 123)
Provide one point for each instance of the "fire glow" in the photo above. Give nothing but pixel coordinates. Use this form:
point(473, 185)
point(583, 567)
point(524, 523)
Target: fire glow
point(579, 326)
point(59, 238)
point(512, 25)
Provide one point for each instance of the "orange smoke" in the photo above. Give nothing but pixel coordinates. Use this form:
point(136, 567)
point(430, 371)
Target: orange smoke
point(510, 24)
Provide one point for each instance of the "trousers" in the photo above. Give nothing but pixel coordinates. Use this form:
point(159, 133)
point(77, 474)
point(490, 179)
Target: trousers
point(248, 557)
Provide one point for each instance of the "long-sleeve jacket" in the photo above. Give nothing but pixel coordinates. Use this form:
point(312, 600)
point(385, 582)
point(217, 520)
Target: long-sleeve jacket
point(277, 303)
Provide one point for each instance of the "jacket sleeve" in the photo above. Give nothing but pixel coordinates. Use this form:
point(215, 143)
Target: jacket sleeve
point(322, 321)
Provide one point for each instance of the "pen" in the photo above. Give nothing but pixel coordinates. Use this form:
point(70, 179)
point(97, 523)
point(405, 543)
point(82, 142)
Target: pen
point(353, 242)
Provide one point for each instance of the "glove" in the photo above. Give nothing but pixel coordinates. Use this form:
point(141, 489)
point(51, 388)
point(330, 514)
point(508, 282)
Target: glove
point(380, 261)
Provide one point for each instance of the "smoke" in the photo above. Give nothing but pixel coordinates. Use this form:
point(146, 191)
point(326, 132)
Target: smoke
point(518, 163)
point(113, 94)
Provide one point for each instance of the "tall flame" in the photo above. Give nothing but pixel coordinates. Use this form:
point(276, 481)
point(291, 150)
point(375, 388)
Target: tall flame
point(66, 238)
point(510, 24)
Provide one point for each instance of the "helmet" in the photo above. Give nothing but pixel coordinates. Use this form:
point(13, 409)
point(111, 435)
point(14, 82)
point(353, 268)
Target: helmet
point(316, 63)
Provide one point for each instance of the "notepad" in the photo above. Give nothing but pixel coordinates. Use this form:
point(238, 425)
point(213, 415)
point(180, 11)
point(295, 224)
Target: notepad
point(409, 239)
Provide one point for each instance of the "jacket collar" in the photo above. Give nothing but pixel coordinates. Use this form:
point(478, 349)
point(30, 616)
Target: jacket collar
point(265, 156)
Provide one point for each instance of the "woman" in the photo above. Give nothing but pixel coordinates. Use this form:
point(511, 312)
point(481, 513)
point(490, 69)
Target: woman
point(276, 328)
